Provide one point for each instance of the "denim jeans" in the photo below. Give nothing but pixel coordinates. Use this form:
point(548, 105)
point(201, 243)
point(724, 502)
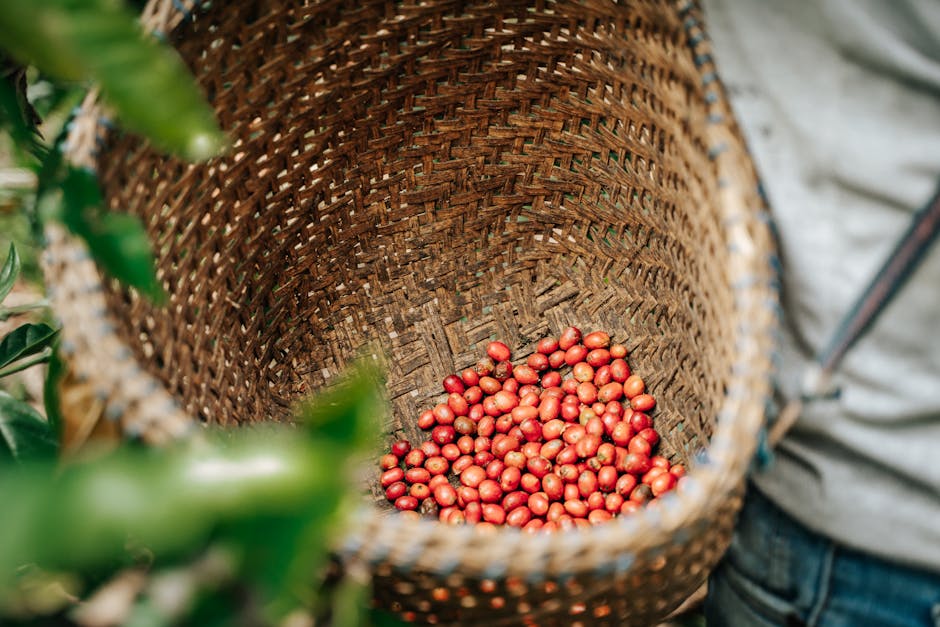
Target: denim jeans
point(777, 572)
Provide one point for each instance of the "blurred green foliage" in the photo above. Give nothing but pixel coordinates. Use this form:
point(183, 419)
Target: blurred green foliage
point(117, 240)
point(8, 272)
point(100, 40)
point(24, 433)
point(15, 230)
point(227, 528)
point(75, 43)
point(266, 498)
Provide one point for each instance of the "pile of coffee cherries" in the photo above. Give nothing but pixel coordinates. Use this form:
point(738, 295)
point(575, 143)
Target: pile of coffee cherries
point(531, 447)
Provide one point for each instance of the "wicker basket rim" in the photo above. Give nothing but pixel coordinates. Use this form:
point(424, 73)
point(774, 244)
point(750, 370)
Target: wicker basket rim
point(76, 290)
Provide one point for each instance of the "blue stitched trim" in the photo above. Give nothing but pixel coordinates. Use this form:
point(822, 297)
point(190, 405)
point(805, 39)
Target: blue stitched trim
point(179, 6)
point(738, 391)
point(411, 557)
point(494, 570)
point(685, 9)
point(351, 545)
point(762, 192)
point(604, 568)
point(682, 535)
point(655, 518)
point(746, 282)
point(702, 458)
point(379, 554)
point(447, 566)
point(764, 455)
point(624, 562)
point(714, 151)
point(536, 575)
point(114, 411)
point(188, 15)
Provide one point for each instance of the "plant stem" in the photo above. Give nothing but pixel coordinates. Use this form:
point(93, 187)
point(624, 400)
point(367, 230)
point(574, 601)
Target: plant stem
point(9, 312)
point(28, 363)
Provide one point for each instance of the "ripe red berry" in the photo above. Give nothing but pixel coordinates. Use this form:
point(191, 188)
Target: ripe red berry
point(633, 386)
point(392, 475)
point(598, 357)
point(643, 402)
point(489, 490)
point(393, 491)
point(453, 383)
point(498, 351)
point(569, 337)
point(547, 345)
point(401, 448)
point(406, 503)
point(469, 377)
point(596, 339)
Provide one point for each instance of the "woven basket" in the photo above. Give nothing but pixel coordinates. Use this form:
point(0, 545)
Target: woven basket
point(430, 176)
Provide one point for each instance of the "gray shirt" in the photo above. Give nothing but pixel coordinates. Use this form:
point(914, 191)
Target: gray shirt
point(840, 103)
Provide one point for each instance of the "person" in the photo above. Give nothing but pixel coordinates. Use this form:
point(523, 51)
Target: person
point(839, 101)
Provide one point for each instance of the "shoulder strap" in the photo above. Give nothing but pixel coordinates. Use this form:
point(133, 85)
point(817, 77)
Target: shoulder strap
point(890, 278)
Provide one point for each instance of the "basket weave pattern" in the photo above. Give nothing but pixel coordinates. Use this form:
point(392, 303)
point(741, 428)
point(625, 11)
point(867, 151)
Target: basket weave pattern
point(430, 176)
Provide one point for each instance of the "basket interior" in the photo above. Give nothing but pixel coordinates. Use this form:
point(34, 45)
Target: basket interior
point(431, 176)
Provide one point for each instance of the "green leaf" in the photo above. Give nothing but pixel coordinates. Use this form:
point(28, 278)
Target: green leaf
point(9, 272)
point(285, 567)
point(25, 340)
point(383, 618)
point(24, 433)
point(50, 389)
point(350, 601)
point(15, 120)
point(271, 494)
point(348, 413)
point(146, 82)
point(170, 500)
point(117, 241)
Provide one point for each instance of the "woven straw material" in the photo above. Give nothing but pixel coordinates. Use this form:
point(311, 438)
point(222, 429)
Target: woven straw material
point(430, 176)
